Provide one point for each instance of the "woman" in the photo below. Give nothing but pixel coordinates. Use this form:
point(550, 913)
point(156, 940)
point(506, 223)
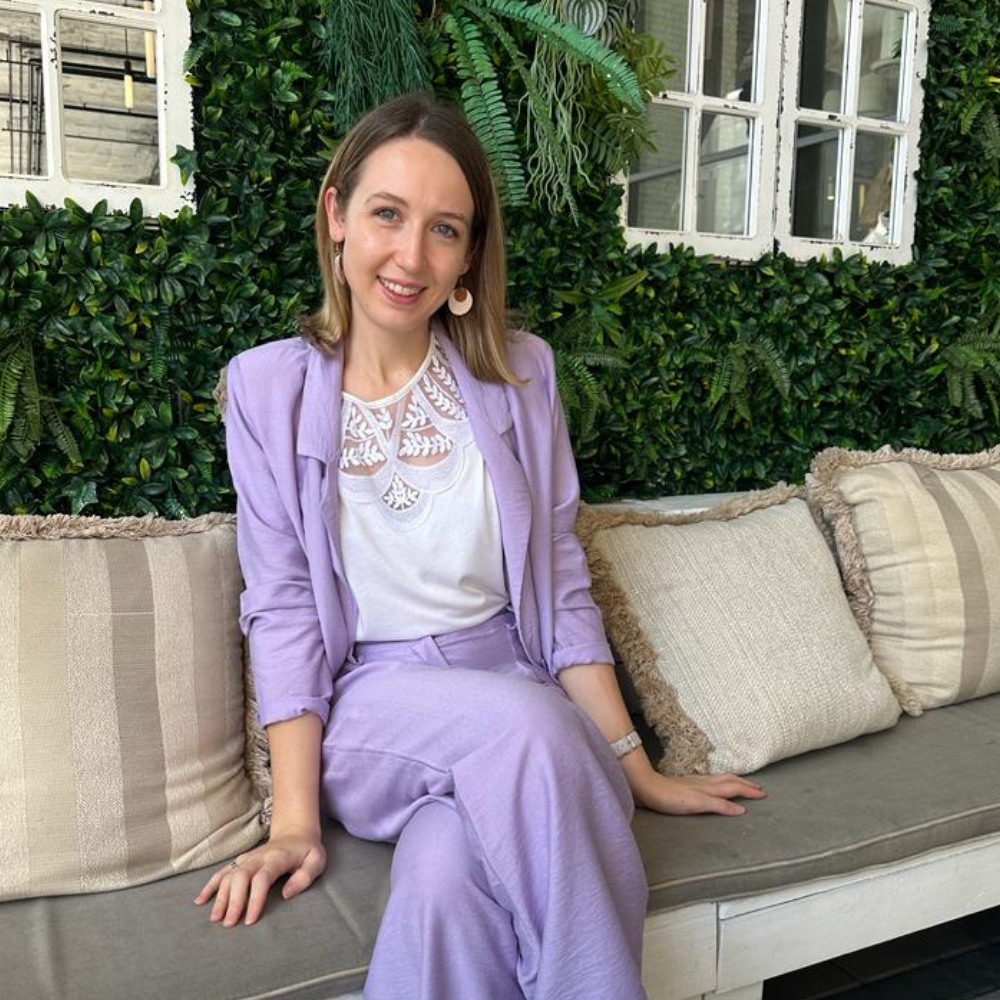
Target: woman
point(430, 666)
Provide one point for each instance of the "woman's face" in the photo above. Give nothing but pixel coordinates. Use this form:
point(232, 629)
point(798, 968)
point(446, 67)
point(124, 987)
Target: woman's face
point(406, 234)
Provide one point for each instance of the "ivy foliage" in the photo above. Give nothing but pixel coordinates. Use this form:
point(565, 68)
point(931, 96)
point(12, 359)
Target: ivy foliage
point(113, 327)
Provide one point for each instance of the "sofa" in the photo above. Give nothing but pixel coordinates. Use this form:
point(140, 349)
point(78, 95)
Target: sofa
point(839, 640)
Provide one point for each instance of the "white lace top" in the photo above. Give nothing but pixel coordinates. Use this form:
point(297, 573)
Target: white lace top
point(420, 527)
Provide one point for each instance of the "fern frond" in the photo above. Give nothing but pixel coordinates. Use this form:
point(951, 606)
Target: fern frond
point(31, 403)
point(718, 388)
point(10, 383)
point(615, 72)
point(539, 111)
point(989, 133)
point(61, 434)
point(767, 355)
point(968, 115)
point(485, 109)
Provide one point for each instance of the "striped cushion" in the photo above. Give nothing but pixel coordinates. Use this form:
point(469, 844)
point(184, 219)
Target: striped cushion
point(121, 702)
point(919, 541)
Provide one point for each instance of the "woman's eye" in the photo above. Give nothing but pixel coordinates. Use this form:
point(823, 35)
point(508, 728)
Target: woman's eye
point(445, 230)
point(386, 213)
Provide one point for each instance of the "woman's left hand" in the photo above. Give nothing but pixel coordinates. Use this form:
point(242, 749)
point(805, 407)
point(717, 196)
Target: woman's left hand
point(696, 793)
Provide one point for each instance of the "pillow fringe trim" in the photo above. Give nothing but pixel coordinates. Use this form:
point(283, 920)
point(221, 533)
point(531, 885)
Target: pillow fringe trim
point(687, 748)
point(825, 497)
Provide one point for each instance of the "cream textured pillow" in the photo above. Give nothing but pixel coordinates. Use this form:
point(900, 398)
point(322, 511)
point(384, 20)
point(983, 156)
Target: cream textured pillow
point(121, 702)
point(735, 631)
point(918, 537)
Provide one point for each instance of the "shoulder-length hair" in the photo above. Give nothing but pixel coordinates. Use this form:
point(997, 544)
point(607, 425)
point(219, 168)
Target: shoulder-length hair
point(480, 335)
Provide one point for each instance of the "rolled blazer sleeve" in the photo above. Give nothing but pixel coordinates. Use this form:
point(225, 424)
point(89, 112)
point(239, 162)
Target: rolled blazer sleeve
point(278, 607)
point(577, 627)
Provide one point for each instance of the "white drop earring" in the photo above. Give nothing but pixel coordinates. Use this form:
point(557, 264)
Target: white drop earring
point(460, 300)
point(338, 266)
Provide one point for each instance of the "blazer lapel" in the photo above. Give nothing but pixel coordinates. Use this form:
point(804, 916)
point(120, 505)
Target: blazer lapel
point(493, 428)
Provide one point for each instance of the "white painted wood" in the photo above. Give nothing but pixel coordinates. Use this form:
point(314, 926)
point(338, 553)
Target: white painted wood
point(761, 110)
point(172, 26)
point(752, 992)
point(775, 117)
point(678, 955)
point(913, 69)
point(765, 936)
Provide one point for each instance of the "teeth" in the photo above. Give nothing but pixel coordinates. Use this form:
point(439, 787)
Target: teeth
point(400, 289)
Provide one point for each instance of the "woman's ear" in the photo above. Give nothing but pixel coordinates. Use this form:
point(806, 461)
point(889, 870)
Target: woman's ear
point(334, 214)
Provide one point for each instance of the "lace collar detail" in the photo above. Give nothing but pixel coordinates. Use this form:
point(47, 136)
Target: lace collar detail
point(398, 451)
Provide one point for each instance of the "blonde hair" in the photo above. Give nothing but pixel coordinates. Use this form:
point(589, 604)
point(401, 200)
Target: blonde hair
point(480, 335)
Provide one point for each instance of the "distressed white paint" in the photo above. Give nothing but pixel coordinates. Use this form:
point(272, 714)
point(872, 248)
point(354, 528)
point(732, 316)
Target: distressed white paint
point(904, 189)
point(172, 26)
point(774, 110)
point(678, 954)
point(762, 110)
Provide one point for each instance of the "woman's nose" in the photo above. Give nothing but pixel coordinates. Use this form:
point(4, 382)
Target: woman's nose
point(410, 249)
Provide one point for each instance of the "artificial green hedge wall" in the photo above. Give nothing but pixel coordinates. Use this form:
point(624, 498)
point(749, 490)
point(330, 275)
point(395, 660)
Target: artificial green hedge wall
point(128, 323)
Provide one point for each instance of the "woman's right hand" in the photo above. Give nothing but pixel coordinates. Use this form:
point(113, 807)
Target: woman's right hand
point(241, 888)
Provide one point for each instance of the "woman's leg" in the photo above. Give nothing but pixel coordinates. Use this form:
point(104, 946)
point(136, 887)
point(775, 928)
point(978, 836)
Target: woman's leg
point(443, 935)
point(543, 804)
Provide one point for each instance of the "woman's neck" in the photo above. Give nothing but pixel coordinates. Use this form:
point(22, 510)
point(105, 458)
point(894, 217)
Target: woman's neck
point(378, 364)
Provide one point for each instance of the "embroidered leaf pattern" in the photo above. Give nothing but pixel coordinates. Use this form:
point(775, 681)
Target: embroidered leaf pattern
point(400, 451)
point(399, 495)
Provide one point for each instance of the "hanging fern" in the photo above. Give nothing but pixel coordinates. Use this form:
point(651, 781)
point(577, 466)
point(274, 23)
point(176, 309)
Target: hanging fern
point(23, 411)
point(373, 53)
point(564, 60)
point(540, 111)
point(583, 395)
point(971, 364)
point(573, 44)
point(729, 389)
point(485, 108)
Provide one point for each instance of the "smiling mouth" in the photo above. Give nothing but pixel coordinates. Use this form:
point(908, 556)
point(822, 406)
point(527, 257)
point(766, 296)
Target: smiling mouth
point(403, 291)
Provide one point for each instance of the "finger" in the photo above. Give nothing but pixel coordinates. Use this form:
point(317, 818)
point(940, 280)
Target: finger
point(725, 807)
point(211, 886)
point(221, 901)
point(300, 880)
point(260, 886)
point(239, 886)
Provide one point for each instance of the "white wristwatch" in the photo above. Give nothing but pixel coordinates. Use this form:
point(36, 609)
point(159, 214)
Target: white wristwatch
point(629, 742)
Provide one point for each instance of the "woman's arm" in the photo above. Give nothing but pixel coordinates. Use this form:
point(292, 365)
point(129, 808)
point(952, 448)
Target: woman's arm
point(594, 688)
point(295, 847)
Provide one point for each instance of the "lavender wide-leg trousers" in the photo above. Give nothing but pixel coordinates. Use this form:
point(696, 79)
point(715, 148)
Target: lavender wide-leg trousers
point(515, 873)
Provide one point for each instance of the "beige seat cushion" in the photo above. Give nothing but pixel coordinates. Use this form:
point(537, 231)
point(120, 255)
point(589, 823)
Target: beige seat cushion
point(918, 536)
point(735, 631)
point(121, 702)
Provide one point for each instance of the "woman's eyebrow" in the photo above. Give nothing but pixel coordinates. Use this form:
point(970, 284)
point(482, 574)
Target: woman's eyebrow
point(389, 196)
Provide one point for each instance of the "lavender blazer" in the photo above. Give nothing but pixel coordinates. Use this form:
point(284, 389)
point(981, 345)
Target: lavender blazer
point(283, 441)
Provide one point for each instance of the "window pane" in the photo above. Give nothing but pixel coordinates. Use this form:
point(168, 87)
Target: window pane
point(814, 183)
point(821, 62)
point(110, 110)
point(656, 180)
point(874, 159)
point(723, 174)
point(135, 4)
point(881, 48)
point(22, 104)
point(670, 21)
point(729, 49)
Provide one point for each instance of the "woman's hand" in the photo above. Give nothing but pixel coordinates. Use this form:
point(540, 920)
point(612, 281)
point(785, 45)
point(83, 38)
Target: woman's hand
point(242, 886)
point(697, 793)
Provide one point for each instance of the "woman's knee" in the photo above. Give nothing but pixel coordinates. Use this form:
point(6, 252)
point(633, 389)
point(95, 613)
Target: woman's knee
point(434, 858)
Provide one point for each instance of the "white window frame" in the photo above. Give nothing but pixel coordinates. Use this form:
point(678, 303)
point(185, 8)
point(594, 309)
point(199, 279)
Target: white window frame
point(172, 26)
point(772, 153)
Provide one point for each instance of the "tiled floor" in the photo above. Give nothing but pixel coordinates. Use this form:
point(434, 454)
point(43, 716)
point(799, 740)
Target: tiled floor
point(957, 961)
